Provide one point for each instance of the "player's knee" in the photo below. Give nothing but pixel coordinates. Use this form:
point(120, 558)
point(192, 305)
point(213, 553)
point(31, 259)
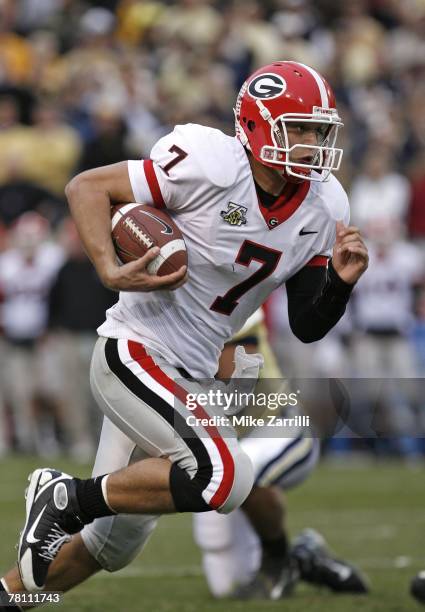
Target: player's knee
point(223, 490)
point(117, 563)
point(243, 481)
point(114, 541)
point(118, 557)
point(186, 491)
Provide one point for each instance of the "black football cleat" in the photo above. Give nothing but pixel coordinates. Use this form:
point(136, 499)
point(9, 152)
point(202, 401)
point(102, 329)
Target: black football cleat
point(417, 587)
point(317, 566)
point(52, 515)
point(276, 579)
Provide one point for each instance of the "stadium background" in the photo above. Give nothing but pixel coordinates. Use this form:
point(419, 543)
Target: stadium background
point(84, 84)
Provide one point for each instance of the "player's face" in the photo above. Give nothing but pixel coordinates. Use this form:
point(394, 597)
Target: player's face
point(303, 133)
point(307, 134)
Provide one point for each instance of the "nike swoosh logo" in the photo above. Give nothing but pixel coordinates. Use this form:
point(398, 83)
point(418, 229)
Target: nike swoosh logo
point(167, 228)
point(31, 533)
point(303, 232)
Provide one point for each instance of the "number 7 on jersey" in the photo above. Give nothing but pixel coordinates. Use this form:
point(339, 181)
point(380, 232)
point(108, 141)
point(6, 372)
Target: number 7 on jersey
point(225, 304)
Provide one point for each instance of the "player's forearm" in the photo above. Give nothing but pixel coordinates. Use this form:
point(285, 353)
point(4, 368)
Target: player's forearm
point(312, 325)
point(90, 208)
point(317, 299)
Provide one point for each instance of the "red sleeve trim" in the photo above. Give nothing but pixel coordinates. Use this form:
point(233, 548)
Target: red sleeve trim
point(318, 260)
point(154, 187)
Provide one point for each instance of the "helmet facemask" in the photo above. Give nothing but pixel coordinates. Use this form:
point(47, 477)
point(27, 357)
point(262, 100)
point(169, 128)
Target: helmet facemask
point(325, 156)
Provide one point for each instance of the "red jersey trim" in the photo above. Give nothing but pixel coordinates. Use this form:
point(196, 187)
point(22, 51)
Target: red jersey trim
point(152, 180)
point(318, 260)
point(285, 205)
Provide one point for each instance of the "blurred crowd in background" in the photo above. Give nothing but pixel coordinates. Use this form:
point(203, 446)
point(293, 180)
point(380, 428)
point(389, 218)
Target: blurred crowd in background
point(83, 84)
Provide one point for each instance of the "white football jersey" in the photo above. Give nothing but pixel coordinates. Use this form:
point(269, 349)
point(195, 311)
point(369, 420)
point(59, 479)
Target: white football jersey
point(239, 251)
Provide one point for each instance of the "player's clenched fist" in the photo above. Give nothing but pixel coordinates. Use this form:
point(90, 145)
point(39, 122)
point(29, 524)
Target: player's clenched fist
point(350, 256)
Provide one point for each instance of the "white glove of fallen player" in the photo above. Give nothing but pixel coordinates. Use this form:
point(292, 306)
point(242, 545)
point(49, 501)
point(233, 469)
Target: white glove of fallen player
point(247, 366)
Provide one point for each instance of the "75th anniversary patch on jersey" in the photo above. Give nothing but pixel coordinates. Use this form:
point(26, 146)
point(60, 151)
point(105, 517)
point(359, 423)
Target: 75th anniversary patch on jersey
point(235, 214)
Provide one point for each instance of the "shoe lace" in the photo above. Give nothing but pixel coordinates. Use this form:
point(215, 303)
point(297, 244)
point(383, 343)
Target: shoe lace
point(54, 541)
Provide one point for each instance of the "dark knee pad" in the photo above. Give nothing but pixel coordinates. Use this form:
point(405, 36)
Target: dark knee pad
point(187, 492)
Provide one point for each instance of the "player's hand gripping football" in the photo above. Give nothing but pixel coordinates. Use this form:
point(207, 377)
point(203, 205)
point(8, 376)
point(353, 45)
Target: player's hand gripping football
point(350, 257)
point(134, 276)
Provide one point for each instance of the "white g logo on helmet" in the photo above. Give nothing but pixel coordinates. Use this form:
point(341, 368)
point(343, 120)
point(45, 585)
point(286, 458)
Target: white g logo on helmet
point(267, 86)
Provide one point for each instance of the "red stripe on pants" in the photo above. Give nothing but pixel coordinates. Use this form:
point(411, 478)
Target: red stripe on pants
point(139, 354)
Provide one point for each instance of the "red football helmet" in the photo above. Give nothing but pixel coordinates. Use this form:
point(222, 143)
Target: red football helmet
point(286, 92)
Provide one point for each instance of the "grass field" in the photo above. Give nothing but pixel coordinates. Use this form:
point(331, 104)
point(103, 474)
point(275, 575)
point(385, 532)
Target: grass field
point(372, 514)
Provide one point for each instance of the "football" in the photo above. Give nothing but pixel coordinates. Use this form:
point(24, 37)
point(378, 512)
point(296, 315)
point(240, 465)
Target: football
point(136, 228)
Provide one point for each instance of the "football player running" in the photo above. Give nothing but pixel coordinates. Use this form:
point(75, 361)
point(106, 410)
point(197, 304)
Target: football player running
point(256, 211)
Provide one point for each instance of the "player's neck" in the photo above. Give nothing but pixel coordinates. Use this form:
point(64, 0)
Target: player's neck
point(268, 179)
